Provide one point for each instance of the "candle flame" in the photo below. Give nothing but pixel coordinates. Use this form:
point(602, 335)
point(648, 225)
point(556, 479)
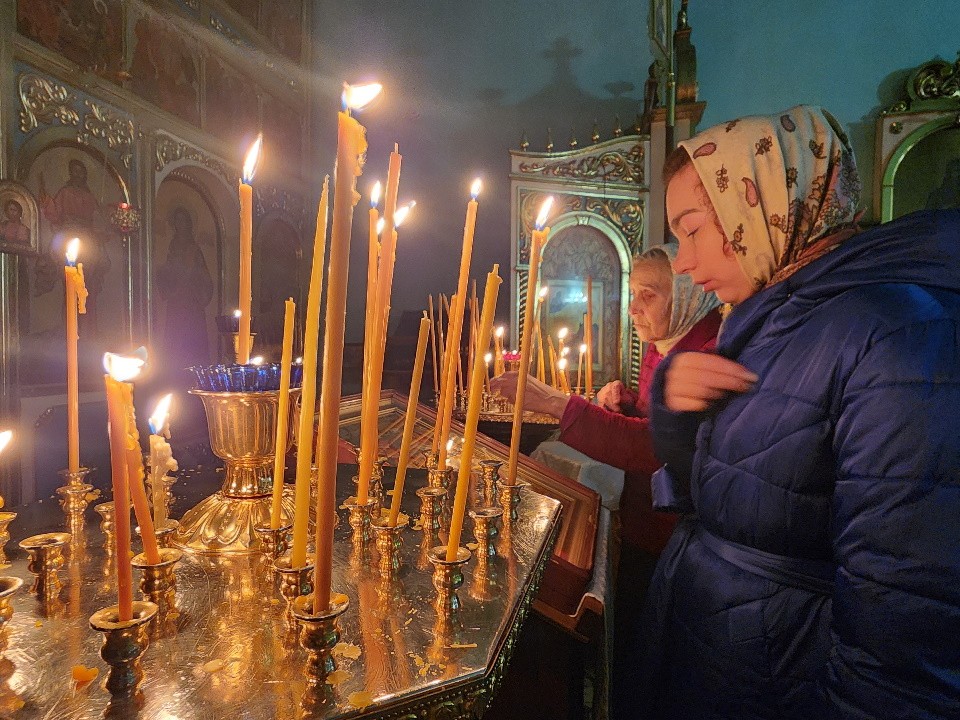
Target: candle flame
point(298, 361)
point(500, 331)
point(252, 160)
point(73, 250)
point(402, 213)
point(543, 292)
point(237, 313)
point(583, 348)
point(122, 368)
point(158, 421)
point(544, 211)
point(258, 360)
point(475, 188)
point(487, 358)
point(375, 194)
point(5, 437)
point(562, 333)
point(565, 352)
point(381, 223)
point(562, 364)
point(357, 97)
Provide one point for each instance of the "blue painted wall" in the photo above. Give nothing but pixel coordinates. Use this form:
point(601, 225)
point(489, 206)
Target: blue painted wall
point(465, 78)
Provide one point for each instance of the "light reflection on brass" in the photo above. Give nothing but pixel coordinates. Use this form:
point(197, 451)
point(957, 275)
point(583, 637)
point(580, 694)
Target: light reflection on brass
point(294, 581)
point(485, 529)
point(123, 644)
point(6, 518)
point(107, 516)
point(487, 491)
point(158, 582)
point(388, 540)
point(448, 578)
point(46, 558)
point(360, 519)
point(274, 542)
point(8, 586)
point(75, 494)
point(319, 634)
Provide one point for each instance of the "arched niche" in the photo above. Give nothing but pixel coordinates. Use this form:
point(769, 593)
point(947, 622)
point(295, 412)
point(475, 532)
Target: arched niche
point(277, 241)
point(583, 244)
point(924, 171)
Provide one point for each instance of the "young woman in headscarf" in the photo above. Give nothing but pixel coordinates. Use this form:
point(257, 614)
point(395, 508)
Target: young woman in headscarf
point(820, 576)
point(672, 314)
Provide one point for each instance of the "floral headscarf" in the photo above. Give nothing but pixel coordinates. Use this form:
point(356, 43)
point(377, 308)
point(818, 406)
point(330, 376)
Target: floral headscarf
point(785, 188)
point(689, 303)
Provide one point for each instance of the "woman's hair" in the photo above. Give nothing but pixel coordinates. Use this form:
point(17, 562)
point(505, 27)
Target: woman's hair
point(676, 161)
point(655, 259)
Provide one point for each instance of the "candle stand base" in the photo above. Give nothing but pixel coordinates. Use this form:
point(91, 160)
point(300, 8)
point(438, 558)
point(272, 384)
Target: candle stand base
point(509, 500)
point(107, 515)
point(46, 558)
point(274, 542)
point(75, 494)
point(158, 584)
point(6, 518)
point(360, 520)
point(166, 534)
point(431, 506)
point(448, 578)
point(485, 529)
point(124, 641)
point(319, 634)
point(294, 582)
point(8, 587)
point(242, 427)
point(488, 490)
point(389, 539)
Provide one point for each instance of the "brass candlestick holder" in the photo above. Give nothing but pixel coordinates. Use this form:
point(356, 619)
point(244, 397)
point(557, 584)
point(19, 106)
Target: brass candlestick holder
point(6, 518)
point(158, 583)
point(124, 641)
point(430, 459)
point(448, 578)
point(431, 505)
point(359, 518)
point(46, 558)
point(107, 514)
point(8, 588)
point(319, 634)
point(274, 542)
point(388, 540)
point(488, 491)
point(166, 534)
point(75, 494)
point(437, 478)
point(242, 428)
point(294, 582)
point(509, 500)
point(485, 530)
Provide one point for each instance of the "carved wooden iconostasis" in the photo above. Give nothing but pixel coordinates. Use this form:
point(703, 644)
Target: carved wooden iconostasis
point(124, 124)
point(598, 224)
point(918, 144)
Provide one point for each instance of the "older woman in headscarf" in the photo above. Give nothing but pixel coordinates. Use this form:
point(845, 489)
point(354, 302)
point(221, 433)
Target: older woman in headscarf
point(820, 576)
point(672, 314)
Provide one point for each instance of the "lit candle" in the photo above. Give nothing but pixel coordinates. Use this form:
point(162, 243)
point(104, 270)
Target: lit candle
point(351, 149)
point(119, 397)
point(498, 365)
point(444, 357)
point(449, 384)
point(161, 458)
point(246, 249)
point(76, 292)
point(564, 382)
point(537, 241)
point(561, 336)
point(538, 312)
point(486, 371)
point(583, 349)
point(375, 227)
point(308, 393)
point(456, 320)
point(5, 437)
point(553, 363)
point(473, 416)
point(433, 344)
point(409, 421)
point(283, 412)
point(588, 336)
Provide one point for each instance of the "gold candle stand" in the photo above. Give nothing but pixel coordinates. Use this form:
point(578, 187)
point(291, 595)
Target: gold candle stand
point(294, 582)
point(319, 634)
point(448, 578)
point(6, 518)
point(388, 540)
point(242, 427)
point(274, 542)
point(431, 506)
point(107, 514)
point(360, 519)
point(158, 582)
point(485, 530)
point(46, 558)
point(124, 641)
point(75, 494)
point(488, 491)
point(166, 534)
point(8, 588)
point(509, 499)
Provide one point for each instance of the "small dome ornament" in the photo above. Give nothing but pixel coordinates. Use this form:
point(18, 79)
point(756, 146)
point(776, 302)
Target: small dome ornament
point(524, 142)
point(549, 140)
point(595, 134)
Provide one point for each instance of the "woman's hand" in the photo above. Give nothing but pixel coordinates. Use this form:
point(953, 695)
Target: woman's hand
point(695, 381)
point(617, 397)
point(537, 397)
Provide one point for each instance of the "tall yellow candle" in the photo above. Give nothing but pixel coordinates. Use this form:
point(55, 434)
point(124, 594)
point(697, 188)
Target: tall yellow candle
point(308, 393)
point(351, 149)
point(473, 416)
point(564, 381)
point(498, 365)
point(553, 363)
point(583, 349)
point(433, 344)
point(283, 412)
point(537, 241)
point(456, 321)
point(161, 458)
point(409, 421)
point(538, 330)
point(449, 388)
point(76, 293)
point(588, 335)
point(119, 370)
point(135, 480)
point(246, 249)
point(444, 357)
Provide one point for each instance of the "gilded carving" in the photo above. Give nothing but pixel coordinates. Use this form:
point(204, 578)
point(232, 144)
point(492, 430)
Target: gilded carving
point(529, 207)
point(938, 79)
point(218, 25)
point(100, 123)
point(169, 150)
point(269, 198)
point(44, 103)
point(627, 215)
point(613, 165)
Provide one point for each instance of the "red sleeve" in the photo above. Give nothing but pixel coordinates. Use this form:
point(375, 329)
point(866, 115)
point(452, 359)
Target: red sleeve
point(617, 440)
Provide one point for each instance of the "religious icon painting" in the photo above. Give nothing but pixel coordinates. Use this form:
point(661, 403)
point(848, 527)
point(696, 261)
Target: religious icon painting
point(567, 308)
point(19, 219)
point(928, 177)
point(660, 28)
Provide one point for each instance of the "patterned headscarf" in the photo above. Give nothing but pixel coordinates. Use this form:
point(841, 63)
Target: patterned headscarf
point(689, 303)
point(785, 188)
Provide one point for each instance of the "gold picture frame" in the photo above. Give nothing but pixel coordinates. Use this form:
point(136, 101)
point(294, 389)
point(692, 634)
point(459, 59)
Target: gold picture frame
point(19, 220)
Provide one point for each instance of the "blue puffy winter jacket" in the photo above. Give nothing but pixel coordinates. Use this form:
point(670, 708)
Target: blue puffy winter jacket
point(820, 575)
